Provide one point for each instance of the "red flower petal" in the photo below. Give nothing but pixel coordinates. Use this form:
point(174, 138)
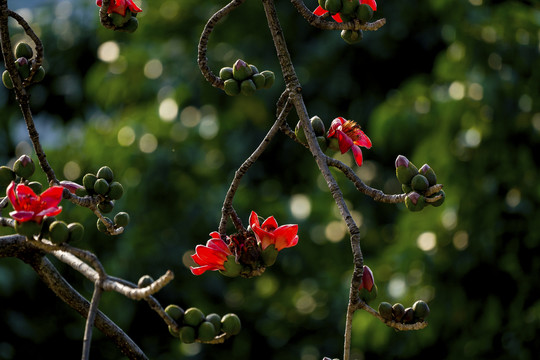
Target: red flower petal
point(12, 196)
point(371, 3)
point(286, 236)
point(210, 256)
point(344, 141)
point(52, 196)
point(48, 212)
point(269, 224)
point(363, 141)
point(357, 153)
point(337, 18)
point(200, 270)
point(253, 219)
point(319, 11)
point(22, 216)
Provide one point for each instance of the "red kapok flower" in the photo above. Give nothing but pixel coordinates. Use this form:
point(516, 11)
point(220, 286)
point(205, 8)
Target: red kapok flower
point(212, 256)
point(31, 207)
point(367, 279)
point(320, 11)
point(269, 233)
point(349, 136)
point(120, 6)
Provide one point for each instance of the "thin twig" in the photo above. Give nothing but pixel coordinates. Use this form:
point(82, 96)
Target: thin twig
point(227, 204)
point(202, 59)
point(92, 311)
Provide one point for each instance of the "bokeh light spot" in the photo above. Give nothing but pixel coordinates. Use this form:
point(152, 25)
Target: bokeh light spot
point(148, 143)
point(168, 110)
point(300, 206)
point(335, 231)
point(513, 197)
point(190, 116)
point(461, 240)
point(153, 69)
point(426, 241)
point(126, 136)
point(108, 52)
point(456, 90)
point(72, 170)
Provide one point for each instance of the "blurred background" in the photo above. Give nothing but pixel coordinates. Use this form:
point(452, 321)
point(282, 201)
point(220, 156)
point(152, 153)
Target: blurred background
point(454, 84)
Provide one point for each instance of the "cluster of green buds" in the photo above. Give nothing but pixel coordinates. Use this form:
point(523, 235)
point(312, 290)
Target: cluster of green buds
point(416, 183)
point(24, 64)
point(194, 325)
point(127, 23)
point(23, 169)
point(243, 78)
point(319, 129)
point(349, 10)
point(108, 191)
point(60, 232)
point(398, 313)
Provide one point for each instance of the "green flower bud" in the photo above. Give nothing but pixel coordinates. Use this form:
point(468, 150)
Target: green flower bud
point(116, 190)
point(88, 182)
point(415, 202)
point(101, 226)
point(419, 183)
point(6, 177)
point(247, 87)
point(76, 232)
point(348, 7)
point(215, 319)
point(206, 331)
point(440, 201)
point(101, 186)
point(254, 69)
point(421, 310)
point(106, 173)
point(23, 67)
point(187, 334)
point(300, 134)
point(121, 219)
point(364, 12)
point(230, 324)
point(334, 6)
point(45, 224)
point(397, 311)
point(23, 50)
point(231, 87)
point(408, 316)
point(322, 3)
point(27, 228)
point(119, 20)
point(323, 143)
point(175, 312)
point(226, 73)
point(130, 26)
point(232, 268)
point(406, 188)
point(147, 280)
point(351, 36)
point(385, 310)
point(269, 78)
point(258, 80)
point(193, 317)
point(106, 206)
point(24, 167)
point(6, 79)
point(241, 70)
point(429, 174)
point(367, 295)
point(81, 192)
point(317, 125)
point(39, 75)
point(405, 170)
point(269, 255)
point(58, 232)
